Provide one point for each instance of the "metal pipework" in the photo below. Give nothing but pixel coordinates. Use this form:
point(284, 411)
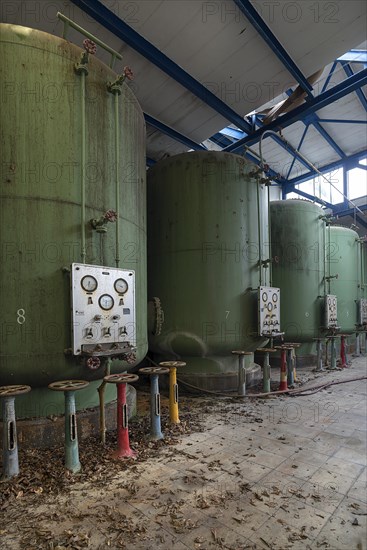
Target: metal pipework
point(115, 88)
point(266, 368)
point(10, 442)
point(173, 388)
point(69, 387)
point(81, 69)
point(100, 224)
point(101, 394)
point(69, 23)
point(319, 367)
point(123, 444)
point(241, 370)
point(155, 400)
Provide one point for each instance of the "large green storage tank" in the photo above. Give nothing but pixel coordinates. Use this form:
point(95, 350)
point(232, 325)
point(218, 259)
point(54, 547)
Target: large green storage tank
point(203, 260)
point(298, 244)
point(342, 260)
point(41, 121)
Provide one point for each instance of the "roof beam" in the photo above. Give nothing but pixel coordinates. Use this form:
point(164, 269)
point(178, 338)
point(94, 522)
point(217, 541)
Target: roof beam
point(265, 32)
point(362, 98)
point(336, 121)
point(173, 134)
point(315, 121)
point(117, 26)
point(326, 98)
point(352, 160)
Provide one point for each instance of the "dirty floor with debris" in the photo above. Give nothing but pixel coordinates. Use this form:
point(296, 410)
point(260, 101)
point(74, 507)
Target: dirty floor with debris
point(273, 473)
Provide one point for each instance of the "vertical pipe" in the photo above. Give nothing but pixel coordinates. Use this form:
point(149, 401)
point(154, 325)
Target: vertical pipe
point(357, 352)
point(101, 393)
point(259, 231)
point(325, 258)
point(71, 435)
point(10, 445)
point(83, 160)
point(290, 374)
point(117, 175)
point(266, 373)
point(155, 416)
point(173, 396)
point(319, 367)
point(333, 353)
point(270, 247)
point(283, 371)
point(241, 375)
point(123, 443)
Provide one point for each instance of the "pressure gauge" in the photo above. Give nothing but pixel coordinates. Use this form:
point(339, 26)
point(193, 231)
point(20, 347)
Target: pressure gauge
point(89, 283)
point(121, 286)
point(106, 302)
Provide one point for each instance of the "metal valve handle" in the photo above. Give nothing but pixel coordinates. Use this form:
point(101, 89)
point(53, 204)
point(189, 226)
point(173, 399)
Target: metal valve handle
point(122, 378)
point(154, 370)
point(93, 363)
point(240, 352)
point(175, 364)
point(8, 391)
point(68, 385)
point(266, 350)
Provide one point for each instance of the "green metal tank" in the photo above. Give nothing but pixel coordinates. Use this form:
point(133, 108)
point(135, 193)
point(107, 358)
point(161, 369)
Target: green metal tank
point(298, 236)
point(204, 238)
point(41, 229)
point(343, 261)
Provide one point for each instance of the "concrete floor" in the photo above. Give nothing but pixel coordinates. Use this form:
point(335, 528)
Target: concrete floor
point(264, 474)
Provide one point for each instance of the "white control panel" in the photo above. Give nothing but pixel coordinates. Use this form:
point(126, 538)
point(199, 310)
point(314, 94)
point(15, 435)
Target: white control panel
point(268, 311)
point(103, 310)
point(362, 311)
point(331, 311)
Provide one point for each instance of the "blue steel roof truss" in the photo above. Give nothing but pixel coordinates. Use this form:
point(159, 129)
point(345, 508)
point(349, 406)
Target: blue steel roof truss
point(250, 135)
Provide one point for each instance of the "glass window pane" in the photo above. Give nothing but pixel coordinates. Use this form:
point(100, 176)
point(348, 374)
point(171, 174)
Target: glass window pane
point(357, 183)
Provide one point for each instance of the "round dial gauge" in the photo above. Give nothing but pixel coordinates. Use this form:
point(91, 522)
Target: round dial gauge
point(121, 286)
point(106, 301)
point(89, 283)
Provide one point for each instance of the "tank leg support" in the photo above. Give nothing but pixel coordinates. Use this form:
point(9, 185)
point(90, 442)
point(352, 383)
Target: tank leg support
point(10, 444)
point(294, 357)
point(283, 371)
point(266, 374)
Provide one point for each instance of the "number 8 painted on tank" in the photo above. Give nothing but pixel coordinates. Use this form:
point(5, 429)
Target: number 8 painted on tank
point(21, 316)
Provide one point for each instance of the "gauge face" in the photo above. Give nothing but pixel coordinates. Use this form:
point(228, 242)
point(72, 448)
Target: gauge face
point(121, 286)
point(106, 302)
point(89, 283)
